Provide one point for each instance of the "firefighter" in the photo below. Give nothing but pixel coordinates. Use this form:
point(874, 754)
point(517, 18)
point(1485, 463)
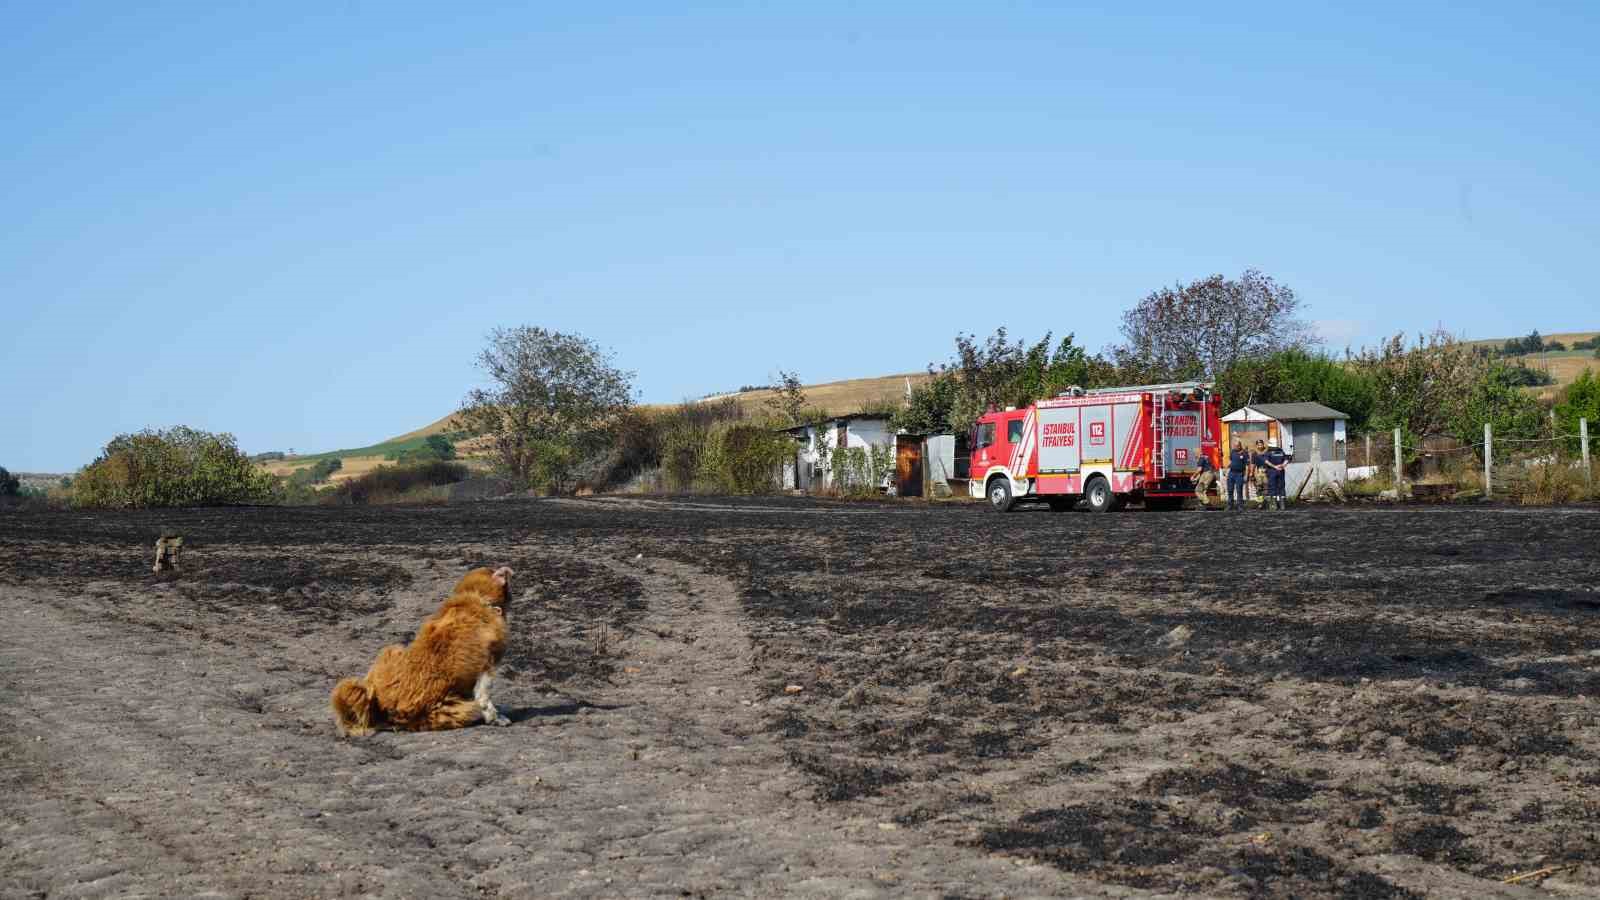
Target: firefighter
point(1204, 479)
point(1238, 465)
point(1276, 462)
point(1258, 474)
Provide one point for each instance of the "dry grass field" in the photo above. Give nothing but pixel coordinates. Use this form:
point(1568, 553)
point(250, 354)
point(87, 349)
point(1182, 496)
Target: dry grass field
point(1563, 367)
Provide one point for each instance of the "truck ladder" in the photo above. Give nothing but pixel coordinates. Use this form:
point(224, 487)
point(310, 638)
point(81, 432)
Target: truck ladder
point(1158, 432)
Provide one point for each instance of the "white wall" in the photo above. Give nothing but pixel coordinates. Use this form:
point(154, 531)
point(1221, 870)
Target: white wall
point(863, 433)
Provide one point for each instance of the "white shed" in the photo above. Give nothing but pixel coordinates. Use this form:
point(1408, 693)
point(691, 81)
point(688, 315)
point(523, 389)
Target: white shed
point(1312, 434)
point(865, 431)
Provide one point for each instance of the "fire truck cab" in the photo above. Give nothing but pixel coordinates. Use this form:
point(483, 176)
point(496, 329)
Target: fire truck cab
point(1102, 446)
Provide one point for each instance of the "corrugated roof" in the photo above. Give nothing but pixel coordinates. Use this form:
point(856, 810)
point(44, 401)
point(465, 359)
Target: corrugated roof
point(1294, 412)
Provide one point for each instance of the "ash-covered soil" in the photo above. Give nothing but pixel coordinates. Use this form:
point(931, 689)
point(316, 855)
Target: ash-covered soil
point(778, 697)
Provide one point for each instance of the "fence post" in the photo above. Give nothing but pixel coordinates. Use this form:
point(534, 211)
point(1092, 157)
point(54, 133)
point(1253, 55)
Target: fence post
point(1367, 460)
point(1397, 461)
point(1488, 460)
point(1583, 442)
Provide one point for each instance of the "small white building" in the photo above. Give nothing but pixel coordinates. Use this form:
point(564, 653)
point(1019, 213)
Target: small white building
point(1312, 434)
point(865, 431)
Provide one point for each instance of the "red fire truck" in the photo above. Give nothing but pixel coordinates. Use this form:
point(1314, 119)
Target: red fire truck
point(1103, 446)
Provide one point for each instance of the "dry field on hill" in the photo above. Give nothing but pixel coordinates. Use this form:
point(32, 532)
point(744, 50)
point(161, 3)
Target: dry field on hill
point(837, 397)
point(785, 698)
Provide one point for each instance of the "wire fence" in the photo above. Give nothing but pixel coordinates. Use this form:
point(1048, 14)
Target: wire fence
point(1550, 463)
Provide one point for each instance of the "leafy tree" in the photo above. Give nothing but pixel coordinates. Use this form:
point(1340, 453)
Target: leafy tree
point(442, 447)
point(1439, 387)
point(1524, 376)
point(1555, 346)
point(927, 407)
point(788, 400)
point(1298, 375)
point(1494, 396)
point(997, 373)
point(551, 397)
point(1206, 327)
point(10, 485)
point(1579, 400)
point(176, 467)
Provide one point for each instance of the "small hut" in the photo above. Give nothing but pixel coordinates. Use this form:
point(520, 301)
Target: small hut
point(863, 430)
point(1312, 434)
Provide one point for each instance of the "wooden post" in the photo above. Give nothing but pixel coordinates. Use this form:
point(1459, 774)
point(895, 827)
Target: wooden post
point(1367, 460)
point(1397, 461)
point(1583, 442)
point(1488, 460)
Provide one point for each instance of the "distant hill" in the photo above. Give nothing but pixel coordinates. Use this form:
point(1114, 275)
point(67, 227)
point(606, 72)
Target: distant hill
point(1563, 366)
point(837, 397)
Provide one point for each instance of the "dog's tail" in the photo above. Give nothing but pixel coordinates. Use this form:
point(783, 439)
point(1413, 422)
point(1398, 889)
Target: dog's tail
point(355, 708)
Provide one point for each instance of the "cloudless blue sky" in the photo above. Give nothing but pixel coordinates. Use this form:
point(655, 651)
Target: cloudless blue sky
point(297, 224)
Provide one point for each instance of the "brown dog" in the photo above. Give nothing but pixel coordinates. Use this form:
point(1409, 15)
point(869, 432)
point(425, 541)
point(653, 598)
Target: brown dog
point(442, 680)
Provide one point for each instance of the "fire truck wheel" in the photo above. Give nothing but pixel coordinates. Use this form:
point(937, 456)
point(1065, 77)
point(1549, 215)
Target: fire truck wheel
point(1000, 494)
point(1097, 493)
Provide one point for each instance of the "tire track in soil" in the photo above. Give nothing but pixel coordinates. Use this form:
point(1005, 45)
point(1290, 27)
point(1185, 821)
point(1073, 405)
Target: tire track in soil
point(730, 814)
point(191, 762)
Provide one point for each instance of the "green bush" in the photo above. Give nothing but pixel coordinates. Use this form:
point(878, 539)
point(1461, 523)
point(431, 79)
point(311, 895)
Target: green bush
point(390, 484)
point(1579, 400)
point(860, 471)
point(177, 467)
point(686, 444)
point(316, 473)
point(10, 485)
point(435, 447)
point(746, 459)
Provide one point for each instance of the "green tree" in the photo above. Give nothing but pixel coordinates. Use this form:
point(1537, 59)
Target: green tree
point(441, 446)
point(551, 397)
point(10, 485)
point(1579, 400)
point(788, 400)
point(997, 372)
point(176, 467)
point(1494, 396)
point(1297, 375)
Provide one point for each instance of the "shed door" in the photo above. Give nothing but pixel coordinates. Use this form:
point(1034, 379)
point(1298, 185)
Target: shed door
point(908, 467)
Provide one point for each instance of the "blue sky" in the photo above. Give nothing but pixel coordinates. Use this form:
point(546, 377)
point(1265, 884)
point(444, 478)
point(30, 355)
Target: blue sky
point(297, 225)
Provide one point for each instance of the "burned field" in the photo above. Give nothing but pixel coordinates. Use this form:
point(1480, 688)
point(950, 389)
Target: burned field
point(774, 696)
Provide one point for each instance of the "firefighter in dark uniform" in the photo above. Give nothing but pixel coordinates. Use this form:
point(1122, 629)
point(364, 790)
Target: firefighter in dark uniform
point(1238, 465)
point(1276, 462)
